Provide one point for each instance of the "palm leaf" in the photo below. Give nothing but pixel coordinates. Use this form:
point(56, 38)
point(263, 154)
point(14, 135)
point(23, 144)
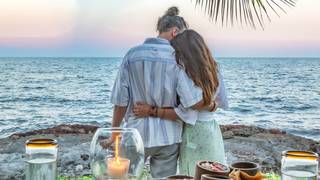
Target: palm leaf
point(249, 12)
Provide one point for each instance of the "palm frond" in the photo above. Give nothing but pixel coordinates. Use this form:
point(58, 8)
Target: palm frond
point(249, 12)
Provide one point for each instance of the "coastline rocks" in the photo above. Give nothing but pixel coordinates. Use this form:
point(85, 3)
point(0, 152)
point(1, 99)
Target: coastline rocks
point(228, 135)
point(241, 143)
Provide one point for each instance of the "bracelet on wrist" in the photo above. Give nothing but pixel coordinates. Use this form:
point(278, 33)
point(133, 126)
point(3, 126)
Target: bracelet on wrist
point(153, 111)
point(163, 114)
point(156, 114)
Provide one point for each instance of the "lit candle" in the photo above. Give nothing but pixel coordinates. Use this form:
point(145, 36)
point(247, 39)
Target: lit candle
point(118, 167)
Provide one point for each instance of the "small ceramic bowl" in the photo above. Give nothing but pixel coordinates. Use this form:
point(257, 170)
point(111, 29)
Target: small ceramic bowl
point(248, 167)
point(214, 177)
point(179, 177)
point(200, 170)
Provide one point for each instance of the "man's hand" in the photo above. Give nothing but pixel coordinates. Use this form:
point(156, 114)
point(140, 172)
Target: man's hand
point(106, 143)
point(142, 109)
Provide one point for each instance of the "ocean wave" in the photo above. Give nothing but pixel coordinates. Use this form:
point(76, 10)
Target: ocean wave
point(261, 91)
point(47, 99)
point(266, 99)
point(33, 88)
point(293, 108)
point(309, 133)
point(241, 109)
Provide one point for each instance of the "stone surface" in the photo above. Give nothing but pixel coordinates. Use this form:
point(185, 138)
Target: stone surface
point(241, 143)
point(227, 135)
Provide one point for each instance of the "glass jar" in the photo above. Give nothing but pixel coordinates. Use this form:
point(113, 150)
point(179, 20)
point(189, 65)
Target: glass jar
point(299, 165)
point(117, 153)
point(41, 159)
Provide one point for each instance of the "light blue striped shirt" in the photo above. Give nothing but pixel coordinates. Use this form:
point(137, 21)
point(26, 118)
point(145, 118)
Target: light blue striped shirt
point(149, 73)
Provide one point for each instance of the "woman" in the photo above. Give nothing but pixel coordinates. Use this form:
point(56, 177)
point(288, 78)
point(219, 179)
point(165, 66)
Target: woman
point(202, 139)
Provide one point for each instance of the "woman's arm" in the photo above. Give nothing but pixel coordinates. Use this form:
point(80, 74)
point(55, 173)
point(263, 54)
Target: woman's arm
point(220, 101)
point(141, 109)
point(201, 107)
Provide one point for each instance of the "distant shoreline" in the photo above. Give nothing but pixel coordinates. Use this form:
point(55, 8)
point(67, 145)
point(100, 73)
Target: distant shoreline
point(247, 57)
point(89, 129)
point(238, 130)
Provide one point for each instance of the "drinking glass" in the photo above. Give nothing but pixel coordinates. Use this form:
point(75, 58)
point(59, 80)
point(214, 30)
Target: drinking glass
point(41, 159)
point(117, 153)
point(299, 165)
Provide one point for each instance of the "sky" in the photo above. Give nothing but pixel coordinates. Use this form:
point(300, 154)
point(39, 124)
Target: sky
point(108, 28)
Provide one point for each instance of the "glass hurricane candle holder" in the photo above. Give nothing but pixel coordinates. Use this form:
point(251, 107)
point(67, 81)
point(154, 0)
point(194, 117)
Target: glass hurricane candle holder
point(41, 159)
point(299, 165)
point(117, 153)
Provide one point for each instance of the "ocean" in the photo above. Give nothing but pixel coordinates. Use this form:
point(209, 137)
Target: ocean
point(37, 93)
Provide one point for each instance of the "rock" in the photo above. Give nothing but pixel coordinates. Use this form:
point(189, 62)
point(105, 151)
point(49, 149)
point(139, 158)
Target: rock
point(315, 147)
point(84, 157)
point(242, 143)
point(14, 137)
point(79, 167)
point(228, 135)
point(82, 131)
point(243, 131)
point(277, 131)
point(268, 161)
point(66, 128)
point(59, 130)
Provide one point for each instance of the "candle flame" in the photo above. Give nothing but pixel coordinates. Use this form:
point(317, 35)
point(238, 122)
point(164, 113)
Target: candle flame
point(117, 150)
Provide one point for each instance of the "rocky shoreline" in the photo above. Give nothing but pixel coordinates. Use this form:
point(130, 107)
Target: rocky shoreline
point(241, 143)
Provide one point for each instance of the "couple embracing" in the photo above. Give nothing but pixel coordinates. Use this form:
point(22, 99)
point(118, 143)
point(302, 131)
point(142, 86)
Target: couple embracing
point(168, 89)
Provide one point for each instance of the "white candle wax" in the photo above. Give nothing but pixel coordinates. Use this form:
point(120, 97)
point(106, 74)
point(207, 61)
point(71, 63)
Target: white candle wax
point(118, 169)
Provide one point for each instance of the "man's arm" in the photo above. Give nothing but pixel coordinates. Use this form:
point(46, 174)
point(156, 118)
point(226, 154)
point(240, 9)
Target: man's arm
point(120, 94)
point(120, 99)
point(118, 115)
point(190, 94)
point(220, 99)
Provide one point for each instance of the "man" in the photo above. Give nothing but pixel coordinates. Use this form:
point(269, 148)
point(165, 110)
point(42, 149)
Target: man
point(149, 73)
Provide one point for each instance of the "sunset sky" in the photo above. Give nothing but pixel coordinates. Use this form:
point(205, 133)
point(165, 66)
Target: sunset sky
point(111, 27)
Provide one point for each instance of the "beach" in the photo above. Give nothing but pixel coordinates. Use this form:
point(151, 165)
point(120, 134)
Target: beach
point(241, 143)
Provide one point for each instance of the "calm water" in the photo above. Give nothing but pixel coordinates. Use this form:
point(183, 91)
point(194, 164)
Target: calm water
point(39, 93)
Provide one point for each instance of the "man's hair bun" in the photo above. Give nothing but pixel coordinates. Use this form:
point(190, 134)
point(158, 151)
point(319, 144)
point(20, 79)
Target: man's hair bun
point(171, 19)
point(172, 11)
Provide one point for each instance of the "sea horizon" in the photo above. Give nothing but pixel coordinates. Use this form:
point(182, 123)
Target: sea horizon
point(249, 57)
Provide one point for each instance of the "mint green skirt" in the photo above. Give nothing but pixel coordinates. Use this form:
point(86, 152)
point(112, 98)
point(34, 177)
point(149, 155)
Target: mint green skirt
point(203, 141)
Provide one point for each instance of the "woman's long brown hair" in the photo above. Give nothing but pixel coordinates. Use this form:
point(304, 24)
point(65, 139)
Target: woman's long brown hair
point(194, 55)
